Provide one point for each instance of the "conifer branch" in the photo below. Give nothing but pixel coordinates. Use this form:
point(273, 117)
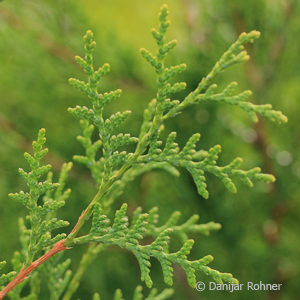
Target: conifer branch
point(200, 162)
point(24, 272)
point(190, 226)
point(41, 217)
point(207, 90)
point(128, 237)
point(138, 295)
point(115, 169)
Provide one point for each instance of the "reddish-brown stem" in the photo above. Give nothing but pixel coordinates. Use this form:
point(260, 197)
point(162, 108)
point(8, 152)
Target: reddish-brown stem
point(72, 231)
point(58, 247)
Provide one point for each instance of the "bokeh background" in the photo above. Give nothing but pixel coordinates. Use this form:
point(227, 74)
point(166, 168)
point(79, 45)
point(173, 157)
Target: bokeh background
point(259, 240)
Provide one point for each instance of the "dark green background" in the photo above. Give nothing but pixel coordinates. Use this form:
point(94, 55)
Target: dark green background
point(259, 240)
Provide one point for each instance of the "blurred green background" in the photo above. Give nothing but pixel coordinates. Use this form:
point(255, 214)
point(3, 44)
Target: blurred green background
point(260, 239)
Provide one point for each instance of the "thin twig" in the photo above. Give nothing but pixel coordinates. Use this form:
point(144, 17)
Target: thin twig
point(22, 275)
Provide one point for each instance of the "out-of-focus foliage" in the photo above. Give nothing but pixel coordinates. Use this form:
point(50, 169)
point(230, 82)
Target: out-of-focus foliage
point(258, 240)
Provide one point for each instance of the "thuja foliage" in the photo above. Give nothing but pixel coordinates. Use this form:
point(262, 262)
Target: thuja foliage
point(41, 217)
point(138, 295)
point(113, 168)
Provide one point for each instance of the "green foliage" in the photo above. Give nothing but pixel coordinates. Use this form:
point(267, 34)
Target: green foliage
point(57, 275)
point(34, 282)
point(42, 200)
point(4, 278)
point(165, 108)
point(113, 168)
point(196, 162)
point(165, 294)
point(206, 89)
point(38, 236)
point(182, 231)
point(138, 295)
point(128, 237)
point(199, 162)
point(110, 143)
